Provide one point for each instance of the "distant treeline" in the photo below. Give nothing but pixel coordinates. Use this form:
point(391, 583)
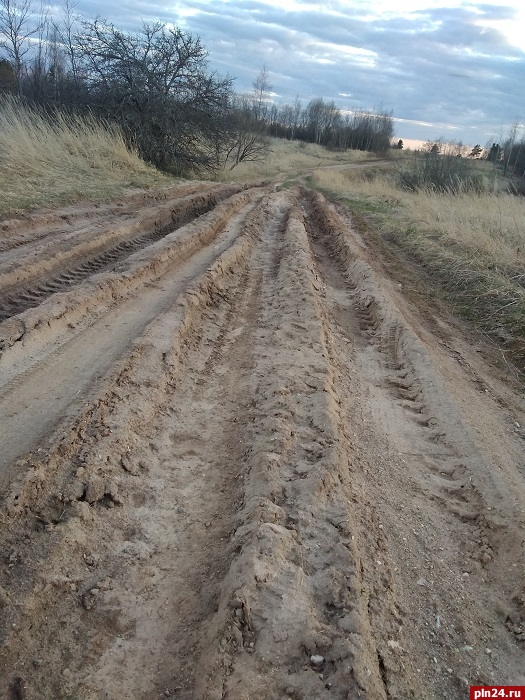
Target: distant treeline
point(156, 84)
point(324, 123)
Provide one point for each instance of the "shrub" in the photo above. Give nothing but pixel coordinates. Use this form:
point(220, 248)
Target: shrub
point(434, 172)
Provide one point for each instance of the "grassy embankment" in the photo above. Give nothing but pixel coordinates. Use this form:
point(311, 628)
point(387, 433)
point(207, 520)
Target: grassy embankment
point(49, 161)
point(288, 159)
point(471, 245)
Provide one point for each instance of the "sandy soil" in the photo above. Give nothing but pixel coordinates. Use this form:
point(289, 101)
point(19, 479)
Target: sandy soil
point(238, 463)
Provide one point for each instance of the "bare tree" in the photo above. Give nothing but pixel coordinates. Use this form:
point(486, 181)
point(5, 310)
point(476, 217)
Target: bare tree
point(248, 136)
point(155, 83)
point(508, 146)
point(37, 66)
point(17, 25)
point(66, 29)
point(261, 94)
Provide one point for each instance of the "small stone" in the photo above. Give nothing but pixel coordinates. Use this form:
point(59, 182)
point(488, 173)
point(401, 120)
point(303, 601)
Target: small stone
point(95, 490)
point(66, 673)
point(129, 465)
point(88, 600)
point(112, 492)
point(486, 558)
point(421, 582)
point(317, 660)
point(465, 574)
point(468, 648)
point(393, 644)
point(488, 651)
point(167, 693)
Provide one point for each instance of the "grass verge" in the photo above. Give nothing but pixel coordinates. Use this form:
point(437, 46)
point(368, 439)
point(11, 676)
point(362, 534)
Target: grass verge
point(53, 159)
point(291, 157)
point(472, 245)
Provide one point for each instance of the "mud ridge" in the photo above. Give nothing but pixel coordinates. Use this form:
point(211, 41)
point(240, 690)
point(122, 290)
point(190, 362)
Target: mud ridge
point(411, 377)
point(106, 288)
point(295, 622)
point(37, 484)
point(90, 471)
point(33, 281)
point(28, 230)
point(463, 482)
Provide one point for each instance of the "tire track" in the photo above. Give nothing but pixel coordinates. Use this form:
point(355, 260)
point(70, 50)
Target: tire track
point(146, 457)
point(269, 494)
point(52, 382)
point(82, 260)
point(63, 312)
point(448, 472)
point(49, 226)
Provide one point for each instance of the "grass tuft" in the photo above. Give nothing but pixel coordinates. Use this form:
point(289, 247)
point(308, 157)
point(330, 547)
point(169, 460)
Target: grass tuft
point(48, 159)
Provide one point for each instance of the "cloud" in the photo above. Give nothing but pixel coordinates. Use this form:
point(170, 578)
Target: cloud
point(453, 67)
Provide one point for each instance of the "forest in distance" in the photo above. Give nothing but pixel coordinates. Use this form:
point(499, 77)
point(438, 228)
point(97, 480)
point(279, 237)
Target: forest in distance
point(157, 86)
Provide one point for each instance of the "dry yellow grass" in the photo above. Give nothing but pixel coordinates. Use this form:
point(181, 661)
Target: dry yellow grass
point(472, 244)
point(291, 157)
point(491, 227)
point(46, 160)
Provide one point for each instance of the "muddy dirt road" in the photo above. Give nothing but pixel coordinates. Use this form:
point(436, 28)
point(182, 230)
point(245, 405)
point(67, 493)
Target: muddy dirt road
point(237, 463)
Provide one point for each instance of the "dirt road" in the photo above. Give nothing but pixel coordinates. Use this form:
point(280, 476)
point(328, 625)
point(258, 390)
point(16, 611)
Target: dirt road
point(237, 463)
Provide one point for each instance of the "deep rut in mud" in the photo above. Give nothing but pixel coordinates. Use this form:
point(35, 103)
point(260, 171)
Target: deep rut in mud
point(92, 250)
point(275, 489)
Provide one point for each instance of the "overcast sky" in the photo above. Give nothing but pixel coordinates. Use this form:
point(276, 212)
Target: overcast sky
point(450, 68)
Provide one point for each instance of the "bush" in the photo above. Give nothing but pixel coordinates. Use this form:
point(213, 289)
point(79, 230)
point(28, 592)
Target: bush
point(440, 173)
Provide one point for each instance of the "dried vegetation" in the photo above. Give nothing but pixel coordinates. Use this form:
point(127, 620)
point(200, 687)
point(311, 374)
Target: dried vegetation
point(47, 159)
point(471, 243)
point(288, 157)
